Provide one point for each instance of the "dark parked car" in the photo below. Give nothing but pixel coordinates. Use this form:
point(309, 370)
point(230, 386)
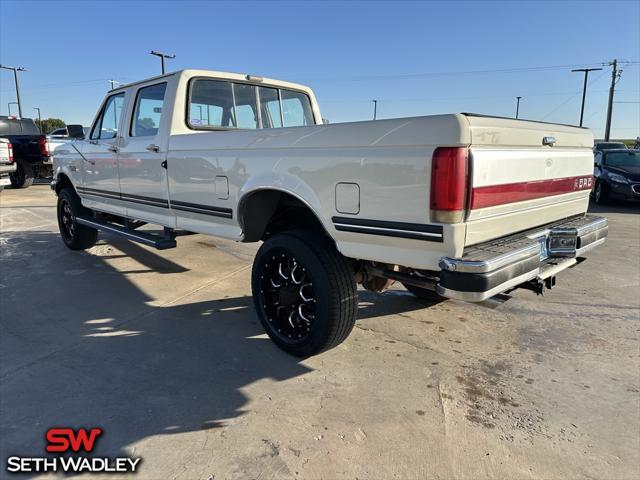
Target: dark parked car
point(617, 175)
point(31, 151)
point(600, 146)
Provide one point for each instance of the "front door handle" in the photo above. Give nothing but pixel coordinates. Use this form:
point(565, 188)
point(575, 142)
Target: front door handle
point(112, 148)
point(164, 164)
point(153, 148)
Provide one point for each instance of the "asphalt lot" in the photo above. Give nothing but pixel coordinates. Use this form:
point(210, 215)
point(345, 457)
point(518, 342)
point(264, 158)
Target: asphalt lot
point(163, 351)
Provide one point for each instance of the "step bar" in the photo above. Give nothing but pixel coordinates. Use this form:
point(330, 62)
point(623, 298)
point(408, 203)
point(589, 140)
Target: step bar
point(160, 242)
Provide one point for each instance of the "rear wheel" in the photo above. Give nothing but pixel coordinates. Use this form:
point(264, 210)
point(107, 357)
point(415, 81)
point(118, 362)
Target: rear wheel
point(74, 235)
point(23, 176)
point(304, 292)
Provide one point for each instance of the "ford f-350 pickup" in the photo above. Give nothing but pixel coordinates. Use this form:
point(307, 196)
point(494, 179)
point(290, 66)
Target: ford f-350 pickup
point(461, 206)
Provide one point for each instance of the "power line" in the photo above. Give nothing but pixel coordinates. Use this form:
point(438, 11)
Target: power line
point(572, 97)
point(453, 73)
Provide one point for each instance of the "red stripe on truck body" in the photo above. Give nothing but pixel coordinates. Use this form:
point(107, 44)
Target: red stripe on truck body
point(492, 195)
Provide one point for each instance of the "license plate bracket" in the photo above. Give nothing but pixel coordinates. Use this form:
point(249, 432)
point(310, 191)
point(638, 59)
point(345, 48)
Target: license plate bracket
point(562, 242)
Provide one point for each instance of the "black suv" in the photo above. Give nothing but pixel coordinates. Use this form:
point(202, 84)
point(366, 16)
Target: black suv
point(617, 175)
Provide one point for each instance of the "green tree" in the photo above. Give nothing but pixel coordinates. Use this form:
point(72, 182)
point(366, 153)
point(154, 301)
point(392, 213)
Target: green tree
point(50, 124)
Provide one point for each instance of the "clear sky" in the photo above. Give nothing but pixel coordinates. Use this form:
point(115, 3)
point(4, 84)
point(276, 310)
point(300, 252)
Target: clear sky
point(416, 58)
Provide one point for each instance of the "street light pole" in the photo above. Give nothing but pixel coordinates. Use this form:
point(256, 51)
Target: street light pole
point(162, 57)
point(375, 109)
point(39, 119)
point(584, 88)
point(113, 83)
point(15, 76)
point(9, 106)
point(517, 106)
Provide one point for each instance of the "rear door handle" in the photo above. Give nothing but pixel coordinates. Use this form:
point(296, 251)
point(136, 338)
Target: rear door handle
point(153, 148)
point(112, 148)
point(164, 164)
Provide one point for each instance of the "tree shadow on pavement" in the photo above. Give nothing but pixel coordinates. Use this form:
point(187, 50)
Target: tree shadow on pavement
point(81, 345)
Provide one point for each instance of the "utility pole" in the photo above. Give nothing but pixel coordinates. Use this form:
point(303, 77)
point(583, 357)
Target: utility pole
point(584, 88)
point(614, 78)
point(517, 106)
point(162, 57)
point(39, 119)
point(15, 76)
point(113, 83)
point(375, 109)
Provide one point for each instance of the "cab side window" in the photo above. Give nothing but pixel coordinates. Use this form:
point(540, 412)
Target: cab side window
point(148, 110)
point(296, 109)
point(106, 126)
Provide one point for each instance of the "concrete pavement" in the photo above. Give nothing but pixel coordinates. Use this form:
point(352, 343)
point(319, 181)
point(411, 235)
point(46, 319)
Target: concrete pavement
point(164, 352)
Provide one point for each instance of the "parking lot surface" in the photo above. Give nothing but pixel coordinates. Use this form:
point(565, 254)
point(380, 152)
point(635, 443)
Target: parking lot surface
point(163, 351)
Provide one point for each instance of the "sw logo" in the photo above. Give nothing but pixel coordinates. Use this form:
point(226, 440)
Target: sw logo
point(67, 442)
point(63, 439)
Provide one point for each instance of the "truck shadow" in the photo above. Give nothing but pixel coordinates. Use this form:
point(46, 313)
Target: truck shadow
point(83, 346)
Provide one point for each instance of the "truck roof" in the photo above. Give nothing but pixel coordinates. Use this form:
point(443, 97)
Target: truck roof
point(255, 79)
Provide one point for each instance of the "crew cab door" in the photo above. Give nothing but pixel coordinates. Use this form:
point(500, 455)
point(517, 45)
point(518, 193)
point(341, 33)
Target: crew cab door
point(142, 156)
point(101, 188)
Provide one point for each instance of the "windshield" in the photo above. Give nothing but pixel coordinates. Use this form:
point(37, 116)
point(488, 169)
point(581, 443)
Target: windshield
point(609, 146)
point(623, 159)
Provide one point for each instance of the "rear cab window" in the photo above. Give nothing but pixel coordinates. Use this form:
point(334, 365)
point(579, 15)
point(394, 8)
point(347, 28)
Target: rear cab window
point(219, 104)
point(18, 126)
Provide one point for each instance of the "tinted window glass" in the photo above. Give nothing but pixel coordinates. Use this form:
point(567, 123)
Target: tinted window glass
point(296, 109)
point(623, 159)
point(107, 125)
point(211, 104)
point(246, 114)
point(59, 132)
point(148, 110)
point(270, 107)
point(13, 126)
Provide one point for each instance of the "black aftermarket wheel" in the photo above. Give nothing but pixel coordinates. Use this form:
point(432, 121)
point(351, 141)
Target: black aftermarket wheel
point(304, 292)
point(74, 235)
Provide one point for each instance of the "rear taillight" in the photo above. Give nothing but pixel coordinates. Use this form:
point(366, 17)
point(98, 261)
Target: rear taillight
point(10, 148)
point(43, 143)
point(449, 171)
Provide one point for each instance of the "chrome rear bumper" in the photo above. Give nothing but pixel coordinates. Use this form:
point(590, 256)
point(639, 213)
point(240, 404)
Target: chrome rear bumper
point(500, 265)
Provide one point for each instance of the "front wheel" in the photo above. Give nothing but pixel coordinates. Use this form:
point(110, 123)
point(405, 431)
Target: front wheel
point(304, 292)
point(600, 195)
point(74, 235)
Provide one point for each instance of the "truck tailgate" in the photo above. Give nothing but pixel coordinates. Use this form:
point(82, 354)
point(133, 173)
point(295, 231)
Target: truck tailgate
point(525, 174)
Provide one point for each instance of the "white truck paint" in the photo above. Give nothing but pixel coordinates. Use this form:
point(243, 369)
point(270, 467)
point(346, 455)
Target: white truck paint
point(514, 188)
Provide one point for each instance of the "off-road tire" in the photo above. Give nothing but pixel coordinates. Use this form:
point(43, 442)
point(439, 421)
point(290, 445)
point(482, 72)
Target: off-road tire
point(326, 277)
point(423, 293)
point(23, 176)
point(74, 235)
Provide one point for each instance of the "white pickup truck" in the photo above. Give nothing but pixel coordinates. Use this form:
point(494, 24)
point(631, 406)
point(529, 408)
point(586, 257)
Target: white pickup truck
point(461, 206)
